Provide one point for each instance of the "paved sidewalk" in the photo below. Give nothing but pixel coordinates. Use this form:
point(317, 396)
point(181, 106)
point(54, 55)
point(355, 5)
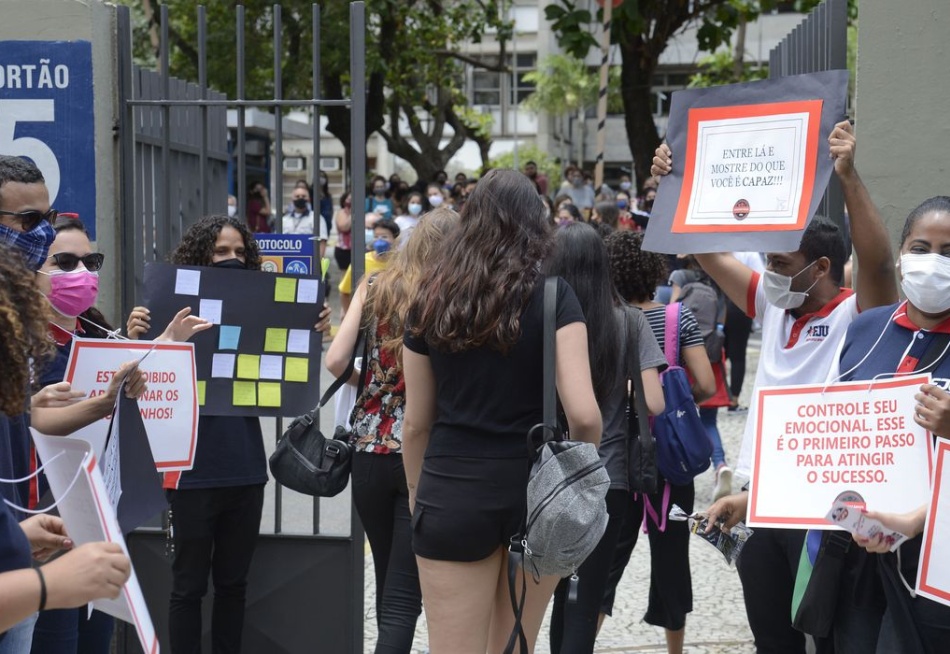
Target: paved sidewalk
point(717, 624)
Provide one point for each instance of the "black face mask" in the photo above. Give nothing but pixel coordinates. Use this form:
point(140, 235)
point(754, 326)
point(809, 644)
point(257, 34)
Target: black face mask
point(300, 203)
point(230, 263)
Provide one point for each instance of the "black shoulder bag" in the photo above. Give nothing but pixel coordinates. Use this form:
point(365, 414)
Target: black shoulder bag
point(308, 462)
point(641, 445)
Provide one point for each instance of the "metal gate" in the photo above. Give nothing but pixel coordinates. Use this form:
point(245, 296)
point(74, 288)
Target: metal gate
point(819, 43)
point(305, 592)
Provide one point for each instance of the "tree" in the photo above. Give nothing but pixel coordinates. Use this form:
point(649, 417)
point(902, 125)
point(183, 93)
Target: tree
point(641, 29)
point(413, 56)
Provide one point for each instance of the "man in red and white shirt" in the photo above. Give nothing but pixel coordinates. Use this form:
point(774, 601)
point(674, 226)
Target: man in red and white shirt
point(805, 314)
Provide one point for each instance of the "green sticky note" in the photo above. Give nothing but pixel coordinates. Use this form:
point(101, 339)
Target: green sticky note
point(245, 393)
point(285, 289)
point(248, 366)
point(296, 369)
point(324, 266)
point(201, 393)
point(268, 394)
point(275, 340)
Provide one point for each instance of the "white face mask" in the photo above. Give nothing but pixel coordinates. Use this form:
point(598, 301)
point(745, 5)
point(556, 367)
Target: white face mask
point(925, 280)
point(232, 210)
point(625, 186)
point(435, 200)
point(778, 289)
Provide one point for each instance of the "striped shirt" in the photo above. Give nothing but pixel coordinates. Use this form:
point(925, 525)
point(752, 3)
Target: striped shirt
point(689, 328)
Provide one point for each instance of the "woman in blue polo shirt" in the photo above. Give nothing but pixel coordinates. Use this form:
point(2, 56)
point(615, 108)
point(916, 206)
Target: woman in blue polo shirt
point(902, 338)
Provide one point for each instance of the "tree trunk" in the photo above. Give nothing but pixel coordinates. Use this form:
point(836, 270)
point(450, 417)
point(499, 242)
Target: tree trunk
point(738, 62)
point(642, 135)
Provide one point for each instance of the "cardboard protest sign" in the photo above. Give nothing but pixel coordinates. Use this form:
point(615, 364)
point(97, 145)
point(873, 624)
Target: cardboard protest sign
point(169, 407)
point(262, 356)
point(750, 164)
point(811, 443)
point(933, 573)
point(83, 504)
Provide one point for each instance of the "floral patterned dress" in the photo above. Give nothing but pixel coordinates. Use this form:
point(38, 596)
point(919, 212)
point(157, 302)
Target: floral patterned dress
point(379, 410)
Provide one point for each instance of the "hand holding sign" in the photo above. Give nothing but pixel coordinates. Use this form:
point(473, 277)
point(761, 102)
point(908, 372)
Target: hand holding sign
point(90, 572)
point(933, 410)
point(56, 395)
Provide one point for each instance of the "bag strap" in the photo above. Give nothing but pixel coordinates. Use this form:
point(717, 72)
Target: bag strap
point(549, 385)
point(671, 333)
point(638, 402)
point(549, 421)
point(361, 344)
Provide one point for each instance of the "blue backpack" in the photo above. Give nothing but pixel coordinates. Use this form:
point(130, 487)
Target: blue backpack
point(683, 449)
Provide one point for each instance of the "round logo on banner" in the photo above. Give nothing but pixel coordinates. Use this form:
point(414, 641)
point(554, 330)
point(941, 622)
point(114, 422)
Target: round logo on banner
point(297, 268)
point(269, 266)
point(740, 209)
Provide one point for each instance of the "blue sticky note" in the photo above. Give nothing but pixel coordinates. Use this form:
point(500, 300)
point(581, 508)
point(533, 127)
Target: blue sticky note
point(229, 337)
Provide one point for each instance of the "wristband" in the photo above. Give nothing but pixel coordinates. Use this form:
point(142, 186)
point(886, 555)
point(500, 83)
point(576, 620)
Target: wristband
point(39, 573)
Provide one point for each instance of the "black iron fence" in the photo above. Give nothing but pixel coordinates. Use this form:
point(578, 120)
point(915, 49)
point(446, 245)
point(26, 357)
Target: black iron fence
point(819, 43)
point(305, 592)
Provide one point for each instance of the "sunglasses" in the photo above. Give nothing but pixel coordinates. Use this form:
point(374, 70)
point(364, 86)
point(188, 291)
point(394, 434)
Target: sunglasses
point(30, 219)
point(67, 261)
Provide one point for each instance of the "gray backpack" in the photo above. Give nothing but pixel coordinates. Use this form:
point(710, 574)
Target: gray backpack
point(566, 511)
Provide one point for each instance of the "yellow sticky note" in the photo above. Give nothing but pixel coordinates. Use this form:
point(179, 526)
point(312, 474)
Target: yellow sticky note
point(245, 393)
point(275, 340)
point(268, 394)
point(285, 290)
point(201, 393)
point(248, 366)
point(296, 369)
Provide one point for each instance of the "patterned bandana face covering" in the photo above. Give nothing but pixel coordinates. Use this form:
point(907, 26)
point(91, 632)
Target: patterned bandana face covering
point(32, 245)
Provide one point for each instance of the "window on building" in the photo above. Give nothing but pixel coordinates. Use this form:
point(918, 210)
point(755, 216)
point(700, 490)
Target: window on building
point(524, 63)
point(662, 92)
point(486, 87)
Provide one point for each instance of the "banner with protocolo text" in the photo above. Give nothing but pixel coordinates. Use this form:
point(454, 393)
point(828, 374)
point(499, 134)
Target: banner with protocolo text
point(813, 442)
point(169, 407)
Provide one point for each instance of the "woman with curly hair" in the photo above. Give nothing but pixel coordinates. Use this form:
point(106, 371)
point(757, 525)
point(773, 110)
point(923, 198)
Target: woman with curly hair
point(636, 275)
point(216, 506)
point(379, 478)
point(92, 571)
point(473, 363)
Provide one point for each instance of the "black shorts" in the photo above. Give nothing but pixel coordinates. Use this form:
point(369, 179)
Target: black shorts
point(467, 507)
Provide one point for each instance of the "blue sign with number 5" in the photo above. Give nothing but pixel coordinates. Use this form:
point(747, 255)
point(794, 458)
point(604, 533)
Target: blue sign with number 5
point(46, 115)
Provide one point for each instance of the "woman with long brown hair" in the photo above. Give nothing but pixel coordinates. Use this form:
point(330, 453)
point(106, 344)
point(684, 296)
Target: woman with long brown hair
point(473, 366)
point(379, 309)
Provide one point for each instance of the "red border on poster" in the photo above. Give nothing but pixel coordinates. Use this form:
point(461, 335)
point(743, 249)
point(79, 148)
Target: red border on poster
point(811, 107)
point(145, 346)
point(821, 522)
point(943, 455)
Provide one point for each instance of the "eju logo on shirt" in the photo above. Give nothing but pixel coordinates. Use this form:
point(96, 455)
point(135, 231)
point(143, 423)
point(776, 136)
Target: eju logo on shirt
point(816, 333)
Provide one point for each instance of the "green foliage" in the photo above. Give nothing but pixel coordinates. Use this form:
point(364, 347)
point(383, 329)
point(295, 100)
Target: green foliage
point(546, 164)
point(565, 85)
point(719, 68)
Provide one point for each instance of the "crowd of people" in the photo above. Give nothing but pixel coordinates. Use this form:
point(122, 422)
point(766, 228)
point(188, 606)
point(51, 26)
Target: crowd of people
point(449, 317)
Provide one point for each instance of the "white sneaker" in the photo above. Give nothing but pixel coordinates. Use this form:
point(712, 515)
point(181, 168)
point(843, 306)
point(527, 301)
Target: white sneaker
point(723, 482)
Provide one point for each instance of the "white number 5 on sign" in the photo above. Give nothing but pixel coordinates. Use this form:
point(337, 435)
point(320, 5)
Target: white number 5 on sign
point(30, 111)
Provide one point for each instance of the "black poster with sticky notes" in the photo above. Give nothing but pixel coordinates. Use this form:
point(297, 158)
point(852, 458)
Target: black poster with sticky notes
point(261, 357)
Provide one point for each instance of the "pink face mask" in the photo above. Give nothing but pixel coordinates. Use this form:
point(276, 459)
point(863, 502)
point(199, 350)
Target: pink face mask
point(72, 293)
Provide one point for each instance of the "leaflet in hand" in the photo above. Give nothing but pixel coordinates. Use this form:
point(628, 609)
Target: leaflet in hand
point(848, 513)
point(729, 544)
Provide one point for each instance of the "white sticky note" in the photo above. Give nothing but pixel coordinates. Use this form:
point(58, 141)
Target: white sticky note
point(187, 282)
point(298, 341)
point(272, 367)
point(210, 310)
point(307, 290)
point(222, 365)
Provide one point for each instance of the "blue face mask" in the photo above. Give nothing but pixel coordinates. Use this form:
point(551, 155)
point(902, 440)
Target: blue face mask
point(381, 246)
point(32, 245)
point(621, 204)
